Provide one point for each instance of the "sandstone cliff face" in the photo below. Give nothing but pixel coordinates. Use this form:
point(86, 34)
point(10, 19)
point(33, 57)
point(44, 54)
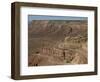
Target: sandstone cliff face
point(57, 42)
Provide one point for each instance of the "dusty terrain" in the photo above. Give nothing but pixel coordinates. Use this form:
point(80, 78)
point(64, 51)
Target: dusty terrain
point(57, 42)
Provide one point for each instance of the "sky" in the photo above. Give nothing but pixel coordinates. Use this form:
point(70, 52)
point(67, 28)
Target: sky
point(44, 17)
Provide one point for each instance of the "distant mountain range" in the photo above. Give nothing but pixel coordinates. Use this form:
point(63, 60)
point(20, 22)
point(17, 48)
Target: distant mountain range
point(55, 28)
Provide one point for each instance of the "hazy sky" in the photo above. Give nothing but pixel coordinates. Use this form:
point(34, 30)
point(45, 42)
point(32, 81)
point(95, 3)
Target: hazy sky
point(44, 17)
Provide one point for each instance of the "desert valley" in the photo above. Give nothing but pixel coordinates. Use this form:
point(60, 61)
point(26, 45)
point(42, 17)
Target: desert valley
point(57, 42)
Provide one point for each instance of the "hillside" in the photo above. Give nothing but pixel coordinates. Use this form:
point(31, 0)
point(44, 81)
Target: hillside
point(57, 42)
